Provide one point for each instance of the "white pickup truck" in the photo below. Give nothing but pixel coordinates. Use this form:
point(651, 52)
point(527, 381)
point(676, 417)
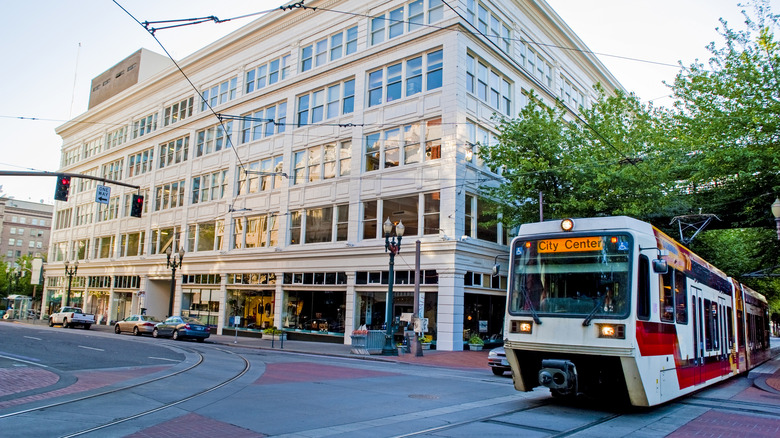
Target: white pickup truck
point(70, 317)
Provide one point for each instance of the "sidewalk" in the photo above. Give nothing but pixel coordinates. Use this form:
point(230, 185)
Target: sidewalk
point(449, 359)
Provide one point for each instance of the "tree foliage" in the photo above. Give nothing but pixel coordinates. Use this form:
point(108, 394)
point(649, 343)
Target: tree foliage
point(605, 162)
point(727, 115)
point(717, 150)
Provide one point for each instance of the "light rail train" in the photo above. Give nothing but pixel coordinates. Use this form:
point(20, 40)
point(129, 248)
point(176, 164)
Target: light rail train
point(613, 306)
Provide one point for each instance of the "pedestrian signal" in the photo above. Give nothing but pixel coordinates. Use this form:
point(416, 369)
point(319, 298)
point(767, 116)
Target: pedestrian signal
point(63, 187)
point(137, 206)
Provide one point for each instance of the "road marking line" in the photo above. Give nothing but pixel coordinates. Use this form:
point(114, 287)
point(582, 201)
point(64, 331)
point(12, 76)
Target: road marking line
point(23, 361)
point(163, 358)
point(30, 337)
point(92, 348)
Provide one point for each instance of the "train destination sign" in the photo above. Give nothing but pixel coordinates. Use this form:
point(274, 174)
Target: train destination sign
point(572, 244)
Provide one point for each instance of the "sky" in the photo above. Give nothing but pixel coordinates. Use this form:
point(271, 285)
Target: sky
point(53, 49)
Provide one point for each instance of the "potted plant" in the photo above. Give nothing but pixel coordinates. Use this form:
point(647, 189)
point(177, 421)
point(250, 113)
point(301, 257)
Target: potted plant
point(275, 333)
point(476, 343)
point(425, 341)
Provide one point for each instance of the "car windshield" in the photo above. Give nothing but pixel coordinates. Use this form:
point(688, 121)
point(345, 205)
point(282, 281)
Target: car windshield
point(573, 276)
point(150, 318)
point(192, 321)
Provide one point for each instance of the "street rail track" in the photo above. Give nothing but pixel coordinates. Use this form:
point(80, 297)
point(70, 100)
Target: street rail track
point(246, 366)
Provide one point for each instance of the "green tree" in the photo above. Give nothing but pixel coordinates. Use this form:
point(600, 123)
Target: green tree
point(727, 115)
point(605, 162)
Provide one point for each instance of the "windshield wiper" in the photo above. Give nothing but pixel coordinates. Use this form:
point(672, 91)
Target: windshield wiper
point(592, 313)
point(531, 306)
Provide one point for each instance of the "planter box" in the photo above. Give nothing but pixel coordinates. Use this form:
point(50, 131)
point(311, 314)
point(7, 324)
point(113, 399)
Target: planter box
point(359, 344)
point(426, 345)
point(475, 347)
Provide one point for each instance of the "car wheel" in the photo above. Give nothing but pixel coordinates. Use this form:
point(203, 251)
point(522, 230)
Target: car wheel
point(201, 339)
point(87, 326)
point(136, 332)
point(497, 371)
point(65, 323)
point(176, 335)
point(51, 322)
point(155, 333)
point(117, 330)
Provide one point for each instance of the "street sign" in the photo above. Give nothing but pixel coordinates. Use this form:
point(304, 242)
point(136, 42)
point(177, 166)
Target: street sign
point(103, 194)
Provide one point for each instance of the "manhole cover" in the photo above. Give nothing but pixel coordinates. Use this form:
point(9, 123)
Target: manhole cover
point(424, 396)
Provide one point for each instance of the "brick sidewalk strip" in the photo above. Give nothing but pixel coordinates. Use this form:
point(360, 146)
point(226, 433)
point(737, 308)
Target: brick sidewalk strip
point(20, 379)
point(87, 380)
point(722, 424)
point(195, 426)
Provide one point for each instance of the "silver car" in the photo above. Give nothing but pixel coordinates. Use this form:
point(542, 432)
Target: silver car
point(138, 324)
point(497, 361)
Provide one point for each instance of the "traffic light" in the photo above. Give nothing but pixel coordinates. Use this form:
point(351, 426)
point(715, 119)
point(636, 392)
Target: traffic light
point(63, 187)
point(137, 206)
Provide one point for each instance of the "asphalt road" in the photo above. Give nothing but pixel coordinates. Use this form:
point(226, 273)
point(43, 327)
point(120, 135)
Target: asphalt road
point(99, 384)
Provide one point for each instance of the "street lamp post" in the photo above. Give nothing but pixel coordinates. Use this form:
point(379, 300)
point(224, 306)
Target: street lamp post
point(70, 272)
point(173, 263)
point(776, 212)
point(392, 246)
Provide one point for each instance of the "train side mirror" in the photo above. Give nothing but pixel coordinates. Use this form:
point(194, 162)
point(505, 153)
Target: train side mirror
point(496, 269)
point(660, 266)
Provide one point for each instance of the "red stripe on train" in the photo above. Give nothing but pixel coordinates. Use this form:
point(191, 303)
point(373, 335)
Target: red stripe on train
point(656, 339)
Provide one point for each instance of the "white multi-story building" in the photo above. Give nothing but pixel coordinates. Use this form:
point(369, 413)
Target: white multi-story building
point(307, 130)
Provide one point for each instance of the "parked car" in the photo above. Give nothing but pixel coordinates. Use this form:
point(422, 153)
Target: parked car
point(182, 327)
point(72, 316)
point(138, 324)
point(497, 361)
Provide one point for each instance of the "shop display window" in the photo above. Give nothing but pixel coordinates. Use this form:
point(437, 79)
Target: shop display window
point(254, 307)
point(315, 311)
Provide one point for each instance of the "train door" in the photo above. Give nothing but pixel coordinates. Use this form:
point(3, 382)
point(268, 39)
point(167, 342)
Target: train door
point(698, 334)
point(722, 332)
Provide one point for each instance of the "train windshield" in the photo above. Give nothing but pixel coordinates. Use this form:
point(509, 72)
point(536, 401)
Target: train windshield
point(572, 276)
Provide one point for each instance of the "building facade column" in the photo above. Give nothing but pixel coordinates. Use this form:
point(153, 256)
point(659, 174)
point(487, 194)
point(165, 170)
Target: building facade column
point(349, 311)
point(449, 333)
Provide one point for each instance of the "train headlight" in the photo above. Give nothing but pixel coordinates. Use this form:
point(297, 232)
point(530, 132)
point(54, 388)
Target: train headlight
point(567, 224)
point(525, 327)
point(612, 331)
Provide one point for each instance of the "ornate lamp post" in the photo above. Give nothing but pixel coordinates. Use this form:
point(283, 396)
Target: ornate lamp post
point(392, 246)
point(70, 272)
point(776, 212)
point(173, 263)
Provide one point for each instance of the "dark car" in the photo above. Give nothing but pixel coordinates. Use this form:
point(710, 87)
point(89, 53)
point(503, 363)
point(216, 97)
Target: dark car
point(497, 361)
point(138, 324)
point(182, 327)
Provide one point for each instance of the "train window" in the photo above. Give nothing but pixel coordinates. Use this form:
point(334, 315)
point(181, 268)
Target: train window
point(680, 297)
point(707, 325)
point(667, 298)
point(715, 325)
point(643, 293)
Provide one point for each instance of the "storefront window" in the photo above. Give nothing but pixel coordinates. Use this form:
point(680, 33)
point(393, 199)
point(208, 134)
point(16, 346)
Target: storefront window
point(97, 304)
point(122, 305)
point(254, 307)
point(315, 311)
point(202, 304)
point(483, 315)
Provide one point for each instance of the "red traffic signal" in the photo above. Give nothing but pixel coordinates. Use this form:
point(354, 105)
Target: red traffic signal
point(137, 206)
point(62, 189)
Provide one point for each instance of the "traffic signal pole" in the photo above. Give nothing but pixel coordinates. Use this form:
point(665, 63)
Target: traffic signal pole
point(72, 175)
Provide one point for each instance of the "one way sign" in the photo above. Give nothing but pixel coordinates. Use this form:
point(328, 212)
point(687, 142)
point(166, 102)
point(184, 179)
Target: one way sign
point(103, 194)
